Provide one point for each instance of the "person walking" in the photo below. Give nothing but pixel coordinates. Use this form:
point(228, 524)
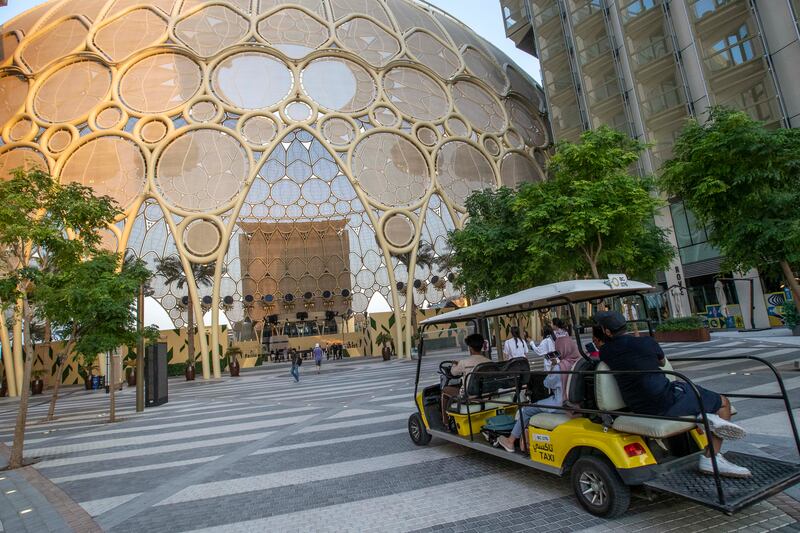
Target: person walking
point(515, 346)
point(297, 360)
point(318, 353)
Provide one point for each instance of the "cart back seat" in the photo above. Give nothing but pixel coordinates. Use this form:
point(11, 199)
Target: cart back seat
point(575, 395)
point(609, 398)
point(489, 387)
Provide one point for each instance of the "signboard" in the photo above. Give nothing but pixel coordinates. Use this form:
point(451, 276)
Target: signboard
point(617, 281)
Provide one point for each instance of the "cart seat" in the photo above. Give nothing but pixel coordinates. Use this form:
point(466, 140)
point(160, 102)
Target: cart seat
point(609, 398)
point(548, 421)
point(496, 402)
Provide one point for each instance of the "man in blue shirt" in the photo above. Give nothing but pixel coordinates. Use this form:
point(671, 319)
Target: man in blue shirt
point(652, 393)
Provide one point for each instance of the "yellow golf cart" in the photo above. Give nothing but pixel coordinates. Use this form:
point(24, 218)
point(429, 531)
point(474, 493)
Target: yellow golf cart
point(605, 448)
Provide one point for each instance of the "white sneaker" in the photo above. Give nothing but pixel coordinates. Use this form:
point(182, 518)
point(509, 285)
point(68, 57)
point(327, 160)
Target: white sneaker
point(724, 429)
point(725, 467)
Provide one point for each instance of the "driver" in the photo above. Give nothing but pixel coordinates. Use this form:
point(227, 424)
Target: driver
point(462, 369)
point(653, 394)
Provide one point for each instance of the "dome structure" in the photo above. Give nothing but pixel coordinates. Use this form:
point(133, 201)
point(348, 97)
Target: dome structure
point(308, 148)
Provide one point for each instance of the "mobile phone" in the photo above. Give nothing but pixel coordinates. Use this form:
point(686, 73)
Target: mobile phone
point(551, 355)
point(590, 347)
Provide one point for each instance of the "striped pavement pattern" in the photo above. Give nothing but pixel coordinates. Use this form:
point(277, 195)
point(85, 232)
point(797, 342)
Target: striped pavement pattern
point(330, 453)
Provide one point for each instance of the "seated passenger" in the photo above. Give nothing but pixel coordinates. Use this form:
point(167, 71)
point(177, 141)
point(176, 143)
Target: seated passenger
point(462, 369)
point(654, 394)
point(557, 383)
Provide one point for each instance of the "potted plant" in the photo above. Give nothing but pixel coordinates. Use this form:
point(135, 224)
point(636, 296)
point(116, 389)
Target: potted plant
point(791, 318)
point(685, 329)
point(384, 339)
point(37, 383)
point(233, 353)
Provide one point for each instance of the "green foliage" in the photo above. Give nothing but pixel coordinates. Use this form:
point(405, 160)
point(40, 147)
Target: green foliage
point(383, 338)
point(791, 317)
point(593, 217)
point(688, 323)
point(742, 181)
point(489, 252)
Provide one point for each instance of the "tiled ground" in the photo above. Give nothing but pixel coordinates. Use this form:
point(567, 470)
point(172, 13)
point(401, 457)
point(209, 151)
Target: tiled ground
point(332, 453)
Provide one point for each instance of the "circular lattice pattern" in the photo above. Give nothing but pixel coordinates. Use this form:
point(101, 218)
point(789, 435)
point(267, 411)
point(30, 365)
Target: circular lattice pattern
point(415, 93)
point(160, 82)
point(462, 169)
point(259, 130)
point(201, 170)
point(84, 84)
point(202, 237)
point(358, 101)
point(480, 108)
point(390, 168)
point(338, 84)
point(111, 165)
point(251, 80)
point(22, 157)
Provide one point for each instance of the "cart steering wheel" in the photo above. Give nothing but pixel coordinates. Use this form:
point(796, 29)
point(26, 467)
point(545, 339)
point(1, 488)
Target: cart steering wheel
point(445, 367)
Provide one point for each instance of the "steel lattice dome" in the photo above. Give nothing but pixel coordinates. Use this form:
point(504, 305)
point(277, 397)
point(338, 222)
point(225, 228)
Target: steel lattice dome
point(303, 146)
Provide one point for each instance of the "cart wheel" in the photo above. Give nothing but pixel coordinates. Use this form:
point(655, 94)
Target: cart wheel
point(598, 488)
point(416, 429)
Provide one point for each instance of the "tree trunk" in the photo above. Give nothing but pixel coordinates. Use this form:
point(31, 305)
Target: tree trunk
point(51, 411)
point(15, 461)
point(593, 266)
point(112, 376)
point(190, 333)
point(793, 285)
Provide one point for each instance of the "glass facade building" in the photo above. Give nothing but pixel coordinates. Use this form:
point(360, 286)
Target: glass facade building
point(308, 149)
point(646, 66)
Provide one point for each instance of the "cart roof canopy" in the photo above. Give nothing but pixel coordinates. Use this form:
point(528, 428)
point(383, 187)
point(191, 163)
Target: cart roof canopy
point(541, 297)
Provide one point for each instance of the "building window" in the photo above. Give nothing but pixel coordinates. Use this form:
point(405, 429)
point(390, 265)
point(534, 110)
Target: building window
point(693, 245)
point(702, 8)
point(732, 50)
point(636, 8)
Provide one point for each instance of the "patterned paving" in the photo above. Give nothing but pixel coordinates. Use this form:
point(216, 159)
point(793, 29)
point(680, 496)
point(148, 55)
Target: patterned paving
point(331, 453)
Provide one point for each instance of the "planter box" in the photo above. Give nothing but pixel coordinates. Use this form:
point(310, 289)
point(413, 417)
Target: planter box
point(692, 335)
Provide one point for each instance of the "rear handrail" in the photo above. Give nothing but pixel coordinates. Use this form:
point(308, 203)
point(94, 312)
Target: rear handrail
point(683, 377)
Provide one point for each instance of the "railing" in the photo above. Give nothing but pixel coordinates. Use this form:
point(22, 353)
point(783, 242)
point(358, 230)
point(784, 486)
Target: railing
point(604, 92)
point(594, 50)
point(552, 50)
point(653, 51)
point(636, 8)
point(546, 15)
point(587, 10)
point(656, 103)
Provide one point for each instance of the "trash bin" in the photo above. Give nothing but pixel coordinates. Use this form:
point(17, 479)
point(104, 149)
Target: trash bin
point(155, 374)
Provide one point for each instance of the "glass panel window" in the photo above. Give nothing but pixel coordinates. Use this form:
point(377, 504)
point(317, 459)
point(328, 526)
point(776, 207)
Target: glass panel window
point(702, 8)
point(636, 8)
point(692, 238)
point(734, 49)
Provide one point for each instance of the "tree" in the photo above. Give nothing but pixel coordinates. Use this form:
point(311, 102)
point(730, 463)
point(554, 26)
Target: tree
point(592, 214)
point(426, 258)
point(45, 227)
point(488, 254)
point(91, 304)
point(171, 269)
point(742, 181)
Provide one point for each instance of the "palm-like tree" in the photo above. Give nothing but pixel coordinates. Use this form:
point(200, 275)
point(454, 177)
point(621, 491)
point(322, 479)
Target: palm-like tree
point(426, 257)
point(171, 270)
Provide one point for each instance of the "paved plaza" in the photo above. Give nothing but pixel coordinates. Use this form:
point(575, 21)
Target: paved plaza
point(332, 453)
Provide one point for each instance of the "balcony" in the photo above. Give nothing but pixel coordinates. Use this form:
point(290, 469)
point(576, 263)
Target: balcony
point(708, 15)
point(638, 9)
point(586, 11)
point(650, 53)
point(656, 103)
point(601, 48)
point(553, 50)
point(545, 16)
point(740, 53)
point(605, 91)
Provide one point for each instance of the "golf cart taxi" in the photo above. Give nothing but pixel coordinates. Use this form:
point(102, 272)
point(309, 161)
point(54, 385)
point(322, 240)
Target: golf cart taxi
point(604, 447)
